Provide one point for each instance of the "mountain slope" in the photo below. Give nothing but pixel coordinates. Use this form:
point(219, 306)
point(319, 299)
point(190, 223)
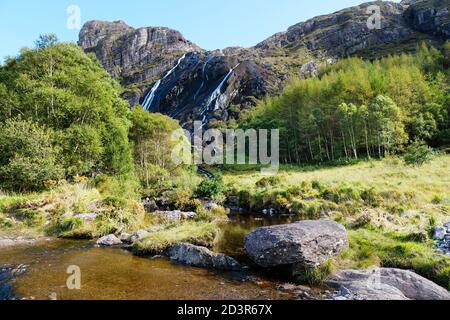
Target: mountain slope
point(166, 73)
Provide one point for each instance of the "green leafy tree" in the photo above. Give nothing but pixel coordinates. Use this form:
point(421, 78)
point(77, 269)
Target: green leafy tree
point(45, 41)
point(359, 108)
point(27, 156)
point(151, 135)
point(82, 149)
point(387, 119)
point(58, 86)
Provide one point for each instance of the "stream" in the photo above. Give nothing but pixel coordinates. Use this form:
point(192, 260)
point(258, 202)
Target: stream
point(114, 273)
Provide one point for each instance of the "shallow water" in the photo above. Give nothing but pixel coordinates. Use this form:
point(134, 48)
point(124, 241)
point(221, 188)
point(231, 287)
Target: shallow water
point(112, 273)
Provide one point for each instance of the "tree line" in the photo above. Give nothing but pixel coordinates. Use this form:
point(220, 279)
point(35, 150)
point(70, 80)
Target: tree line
point(361, 109)
point(61, 116)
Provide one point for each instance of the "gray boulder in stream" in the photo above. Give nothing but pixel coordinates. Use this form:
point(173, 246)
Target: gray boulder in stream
point(108, 241)
point(201, 257)
point(302, 244)
point(385, 284)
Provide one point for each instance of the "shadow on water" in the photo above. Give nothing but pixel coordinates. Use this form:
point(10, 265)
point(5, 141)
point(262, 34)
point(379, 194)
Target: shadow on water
point(232, 234)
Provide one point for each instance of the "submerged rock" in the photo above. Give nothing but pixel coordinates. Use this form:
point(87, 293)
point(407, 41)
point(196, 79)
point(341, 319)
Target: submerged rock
point(109, 240)
point(384, 284)
point(7, 274)
point(201, 257)
point(9, 242)
point(305, 243)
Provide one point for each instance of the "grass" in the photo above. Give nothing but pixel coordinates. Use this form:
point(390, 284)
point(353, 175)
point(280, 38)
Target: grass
point(55, 212)
point(198, 233)
point(370, 248)
point(402, 196)
point(388, 207)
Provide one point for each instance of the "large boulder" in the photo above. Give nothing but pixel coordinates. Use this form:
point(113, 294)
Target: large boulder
point(109, 240)
point(201, 257)
point(385, 284)
point(305, 243)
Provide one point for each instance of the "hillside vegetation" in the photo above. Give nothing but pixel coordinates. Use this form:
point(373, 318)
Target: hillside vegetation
point(76, 162)
point(361, 109)
point(389, 207)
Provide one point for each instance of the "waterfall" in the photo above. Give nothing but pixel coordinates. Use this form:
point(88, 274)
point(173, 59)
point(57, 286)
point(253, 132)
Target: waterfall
point(173, 69)
point(203, 76)
point(151, 95)
point(148, 101)
point(217, 92)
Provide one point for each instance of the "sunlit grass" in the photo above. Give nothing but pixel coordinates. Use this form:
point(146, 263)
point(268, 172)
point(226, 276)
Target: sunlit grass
point(199, 233)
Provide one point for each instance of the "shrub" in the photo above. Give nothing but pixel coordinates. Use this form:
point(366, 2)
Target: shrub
point(418, 154)
point(27, 157)
point(314, 276)
point(268, 182)
point(210, 188)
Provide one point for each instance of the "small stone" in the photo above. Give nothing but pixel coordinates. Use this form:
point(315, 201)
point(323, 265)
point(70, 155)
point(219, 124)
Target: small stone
point(447, 226)
point(209, 205)
point(125, 237)
point(109, 240)
point(86, 217)
point(201, 257)
point(150, 205)
point(344, 291)
point(439, 233)
point(53, 296)
point(176, 215)
point(141, 234)
point(287, 287)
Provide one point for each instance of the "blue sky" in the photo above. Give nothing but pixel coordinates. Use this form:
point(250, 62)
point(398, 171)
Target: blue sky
point(211, 24)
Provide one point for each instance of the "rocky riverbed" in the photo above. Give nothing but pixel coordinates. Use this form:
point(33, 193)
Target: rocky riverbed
point(265, 257)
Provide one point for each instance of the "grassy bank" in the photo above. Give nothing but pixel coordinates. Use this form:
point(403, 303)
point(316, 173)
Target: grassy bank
point(389, 208)
point(85, 209)
point(198, 233)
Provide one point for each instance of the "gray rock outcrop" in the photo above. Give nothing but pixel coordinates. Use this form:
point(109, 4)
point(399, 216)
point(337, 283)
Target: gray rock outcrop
point(109, 240)
point(191, 84)
point(201, 257)
point(385, 284)
point(305, 243)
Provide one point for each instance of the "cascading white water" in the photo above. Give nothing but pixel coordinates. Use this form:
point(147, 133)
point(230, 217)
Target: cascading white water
point(173, 69)
point(217, 93)
point(151, 95)
point(203, 76)
point(148, 101)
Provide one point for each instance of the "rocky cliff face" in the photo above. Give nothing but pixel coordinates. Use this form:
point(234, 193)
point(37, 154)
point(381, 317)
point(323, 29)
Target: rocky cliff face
point(430, 16)
point(166, 73)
